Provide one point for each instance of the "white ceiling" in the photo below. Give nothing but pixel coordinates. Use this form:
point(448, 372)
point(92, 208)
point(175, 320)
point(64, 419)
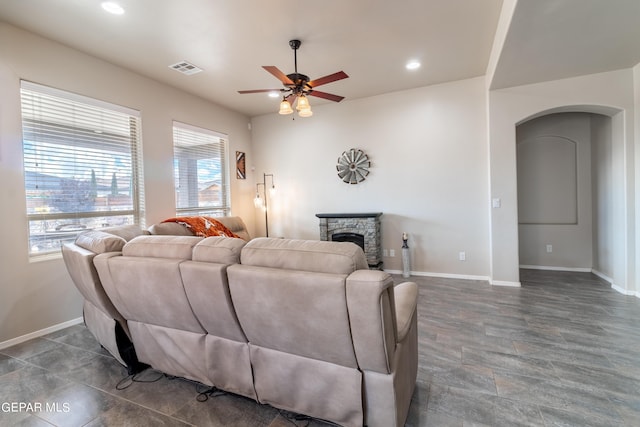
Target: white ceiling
point(370, 40)
point(556, 39)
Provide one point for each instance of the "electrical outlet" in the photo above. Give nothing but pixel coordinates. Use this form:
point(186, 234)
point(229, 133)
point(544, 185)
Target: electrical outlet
point(549, 249)
point(462, 256)
point(392, 252)
point(385, 253)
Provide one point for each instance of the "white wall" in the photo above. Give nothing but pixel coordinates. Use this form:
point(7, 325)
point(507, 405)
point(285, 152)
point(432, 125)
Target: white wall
point(429, 171)
point(636, 99)
point(599, 93)
point(37, 295)
point(602, 185)
point(555, 203)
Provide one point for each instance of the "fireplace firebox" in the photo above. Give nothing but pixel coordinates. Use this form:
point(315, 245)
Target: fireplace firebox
point(356, 238)
point(360, 228)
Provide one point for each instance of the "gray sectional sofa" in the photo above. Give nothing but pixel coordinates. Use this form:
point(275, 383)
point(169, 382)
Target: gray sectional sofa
point(301, 325)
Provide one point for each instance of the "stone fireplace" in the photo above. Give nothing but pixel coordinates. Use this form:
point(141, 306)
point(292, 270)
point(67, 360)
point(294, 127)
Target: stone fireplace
point(362, 229)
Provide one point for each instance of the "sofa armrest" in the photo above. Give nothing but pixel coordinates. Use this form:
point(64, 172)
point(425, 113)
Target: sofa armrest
point(372, 318)
point(79, 263)
point(406, 298)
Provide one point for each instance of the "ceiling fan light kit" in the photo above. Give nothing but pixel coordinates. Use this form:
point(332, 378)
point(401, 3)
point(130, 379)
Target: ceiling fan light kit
point(285, 107)
point(298, 86)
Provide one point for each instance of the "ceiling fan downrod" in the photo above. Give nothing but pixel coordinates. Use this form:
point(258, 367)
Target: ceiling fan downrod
point(295, 44)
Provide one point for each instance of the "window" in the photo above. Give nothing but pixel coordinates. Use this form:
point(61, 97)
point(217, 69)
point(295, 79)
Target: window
point(200, 171)
point(82, 165)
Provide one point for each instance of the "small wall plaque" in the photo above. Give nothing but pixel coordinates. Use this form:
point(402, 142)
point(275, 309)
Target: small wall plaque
point(241, 167)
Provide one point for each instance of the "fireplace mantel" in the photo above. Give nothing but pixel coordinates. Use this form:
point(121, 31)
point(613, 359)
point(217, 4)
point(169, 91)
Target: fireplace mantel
point(366, 225)
point(349, 215)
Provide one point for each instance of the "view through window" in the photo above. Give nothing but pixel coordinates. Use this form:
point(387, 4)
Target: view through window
point(200, 171)
point(82, 165)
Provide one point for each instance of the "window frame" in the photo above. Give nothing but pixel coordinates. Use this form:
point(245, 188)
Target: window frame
point(64, 123)
point(180, 130)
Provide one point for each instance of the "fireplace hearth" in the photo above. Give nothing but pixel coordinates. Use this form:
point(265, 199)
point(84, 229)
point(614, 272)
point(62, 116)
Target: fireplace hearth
point(362, 229)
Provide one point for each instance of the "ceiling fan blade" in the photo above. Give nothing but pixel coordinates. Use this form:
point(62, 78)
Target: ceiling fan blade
point(328, 79)
point(325, 95)
point(259, 90)
point(278, 74)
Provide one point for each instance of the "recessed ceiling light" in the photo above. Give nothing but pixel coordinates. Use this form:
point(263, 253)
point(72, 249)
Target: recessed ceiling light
point(274, 95)
point(112, 7)
point(412, 65)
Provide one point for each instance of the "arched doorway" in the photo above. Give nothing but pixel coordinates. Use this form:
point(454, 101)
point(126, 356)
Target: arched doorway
point(565, 192)
point(571, 191)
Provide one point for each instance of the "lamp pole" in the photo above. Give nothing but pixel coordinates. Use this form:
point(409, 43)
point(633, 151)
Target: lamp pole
point(264, 204)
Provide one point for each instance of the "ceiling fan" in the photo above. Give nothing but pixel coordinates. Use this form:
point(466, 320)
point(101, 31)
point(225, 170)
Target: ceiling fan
point(298, 86)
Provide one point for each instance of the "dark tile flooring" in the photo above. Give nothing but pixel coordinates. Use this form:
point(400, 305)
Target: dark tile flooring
point(563, 350)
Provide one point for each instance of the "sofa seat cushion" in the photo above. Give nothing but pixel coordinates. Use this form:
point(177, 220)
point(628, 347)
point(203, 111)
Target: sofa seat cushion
point(304, 255)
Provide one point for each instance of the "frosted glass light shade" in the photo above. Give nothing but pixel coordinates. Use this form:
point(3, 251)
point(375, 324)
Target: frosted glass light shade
point(285, 107)
point(303, 103)
point(305, 113)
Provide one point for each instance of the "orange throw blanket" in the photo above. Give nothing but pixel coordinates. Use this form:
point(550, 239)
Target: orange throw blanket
point(204, 226)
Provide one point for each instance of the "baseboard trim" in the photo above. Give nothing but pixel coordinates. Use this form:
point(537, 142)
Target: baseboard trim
point(459, 276)
point(442, 275)
point(505, 283)
point(624, 291)
point(586, 270)
point(546, 267)
point(603, 276)
point(41, 332)
point(514, 284)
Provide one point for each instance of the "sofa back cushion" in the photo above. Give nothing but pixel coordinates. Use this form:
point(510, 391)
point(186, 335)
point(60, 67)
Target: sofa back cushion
point(297, 312)
point(100, 242)
point(127, 232)
point(233, 223)
point(304, 255)
point(174, 247)
point(222, 250)
point(169, 229)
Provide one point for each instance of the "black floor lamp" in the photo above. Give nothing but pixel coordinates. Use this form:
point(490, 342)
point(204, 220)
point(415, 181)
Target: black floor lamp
point(262, 202)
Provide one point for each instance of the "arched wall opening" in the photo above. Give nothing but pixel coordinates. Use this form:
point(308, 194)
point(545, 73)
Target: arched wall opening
point(607, 94)
point(565, 172)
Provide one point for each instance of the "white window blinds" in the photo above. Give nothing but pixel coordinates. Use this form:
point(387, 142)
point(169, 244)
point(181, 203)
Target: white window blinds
point(82, 165)
point(200, 171)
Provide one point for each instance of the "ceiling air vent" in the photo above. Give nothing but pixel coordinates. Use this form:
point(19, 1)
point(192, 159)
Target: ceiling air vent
point(185, 68)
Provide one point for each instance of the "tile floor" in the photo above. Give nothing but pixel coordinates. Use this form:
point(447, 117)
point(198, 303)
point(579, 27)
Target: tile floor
point(563, 350)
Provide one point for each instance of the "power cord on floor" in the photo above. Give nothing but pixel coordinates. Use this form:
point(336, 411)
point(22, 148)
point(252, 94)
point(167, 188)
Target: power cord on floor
point(206, 392)
point(294, 418)
point(203, 396)
point(135, 378)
